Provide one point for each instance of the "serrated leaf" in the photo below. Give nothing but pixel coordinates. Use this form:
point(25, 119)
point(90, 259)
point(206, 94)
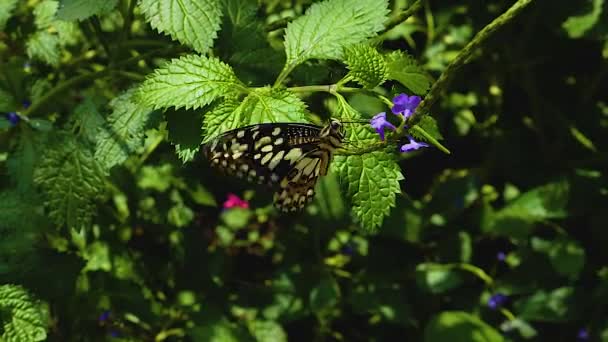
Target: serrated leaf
point(372, 179)
point(262, 105)
point(366, 65)
point(6, 7)
point(82, 9)
point(191, 82)
point(191, 22)
point(24, 318)
point(373, 182)
point(577, 26)
point(124, 132)
point(330, 26)
point(405, 70)
point(459, 326)
point(52, 35)
point(244, 43)
point(219, 119)
point(44, 46)
point(72, 180)
point(185, 132)
point(88, 120)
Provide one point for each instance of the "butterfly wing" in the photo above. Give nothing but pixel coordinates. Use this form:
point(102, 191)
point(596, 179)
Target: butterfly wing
point(264, 153)
point(297, 188)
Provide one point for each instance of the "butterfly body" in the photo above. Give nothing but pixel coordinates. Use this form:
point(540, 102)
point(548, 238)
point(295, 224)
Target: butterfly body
point(287, 156)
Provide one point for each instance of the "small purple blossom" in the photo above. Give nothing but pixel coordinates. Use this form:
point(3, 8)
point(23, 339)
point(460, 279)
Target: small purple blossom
point(114, 333)
point(104, 316)
point(583, 335)
point(405, 105)
point(13, 118)
point(497, 300)
point(350, 248)
point(379, 123)
point(412, 145)
point(501, 256)
point(26, 104)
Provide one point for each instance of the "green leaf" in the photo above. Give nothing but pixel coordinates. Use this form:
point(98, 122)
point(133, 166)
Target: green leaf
point(366, 65)
point(6, 7)
point(244, 43)
point(267, 331)
point(567, 256)
point(22, 161)
point(559, 305)
point(52, 36)
point(429, 125)
point(88, 120)
point(44, 46)
point(7, 101)
point(371, 180)
point(82, 9)
point(72, 180)
point(325, 295)
point(330, 26)
point(542, 203)
point(405, 70)
point(459, 326)
point(123, 135)
point(437, 278)
point(191, 82)
point(191, 22)
point(185, 128)
point(262, 105)
point(180, 215)
point(219, 119)
point(24, 319)
point(577, 25)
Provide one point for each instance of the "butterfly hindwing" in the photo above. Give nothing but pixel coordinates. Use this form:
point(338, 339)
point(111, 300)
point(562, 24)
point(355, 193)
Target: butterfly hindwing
point(287, 156)
point(264, 153)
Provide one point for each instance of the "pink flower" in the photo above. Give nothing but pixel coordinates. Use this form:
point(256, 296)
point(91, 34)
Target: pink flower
point(235, 201)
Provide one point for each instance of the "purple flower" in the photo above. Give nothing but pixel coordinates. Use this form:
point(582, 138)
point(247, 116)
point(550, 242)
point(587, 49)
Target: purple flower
point(501, 256)
point(497, 300)
point(405, 105)
point(26, 104)
point(413, 145)
point(13, 118)
point(583, 335)
point(104, 316)
point(379, 123)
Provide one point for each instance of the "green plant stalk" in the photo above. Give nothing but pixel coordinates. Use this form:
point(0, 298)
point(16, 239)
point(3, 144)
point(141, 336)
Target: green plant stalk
point(465, 54)
point(430, 139)
point(403, 16)
point(67, 84)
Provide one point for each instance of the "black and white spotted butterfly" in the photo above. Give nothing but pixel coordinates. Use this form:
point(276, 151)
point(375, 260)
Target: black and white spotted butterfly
point(287, 156)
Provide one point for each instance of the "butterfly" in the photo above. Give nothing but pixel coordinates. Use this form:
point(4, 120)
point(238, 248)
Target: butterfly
point(289, 157)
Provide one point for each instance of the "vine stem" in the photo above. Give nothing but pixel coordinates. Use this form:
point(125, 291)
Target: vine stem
point(465, 54)
point(66, 85)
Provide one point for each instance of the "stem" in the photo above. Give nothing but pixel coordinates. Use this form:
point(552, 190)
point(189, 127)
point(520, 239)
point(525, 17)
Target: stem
point(283, 75)
point(65, 85)
point(466, 53)
point(430, 139)
point(126, 30)
point(99, 33)
point(403, 16)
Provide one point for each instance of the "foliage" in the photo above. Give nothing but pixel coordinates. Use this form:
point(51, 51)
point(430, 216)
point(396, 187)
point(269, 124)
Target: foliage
point(114, 226)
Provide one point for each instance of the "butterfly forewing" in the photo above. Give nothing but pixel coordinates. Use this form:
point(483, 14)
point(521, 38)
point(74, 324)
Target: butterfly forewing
point(289, 156)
